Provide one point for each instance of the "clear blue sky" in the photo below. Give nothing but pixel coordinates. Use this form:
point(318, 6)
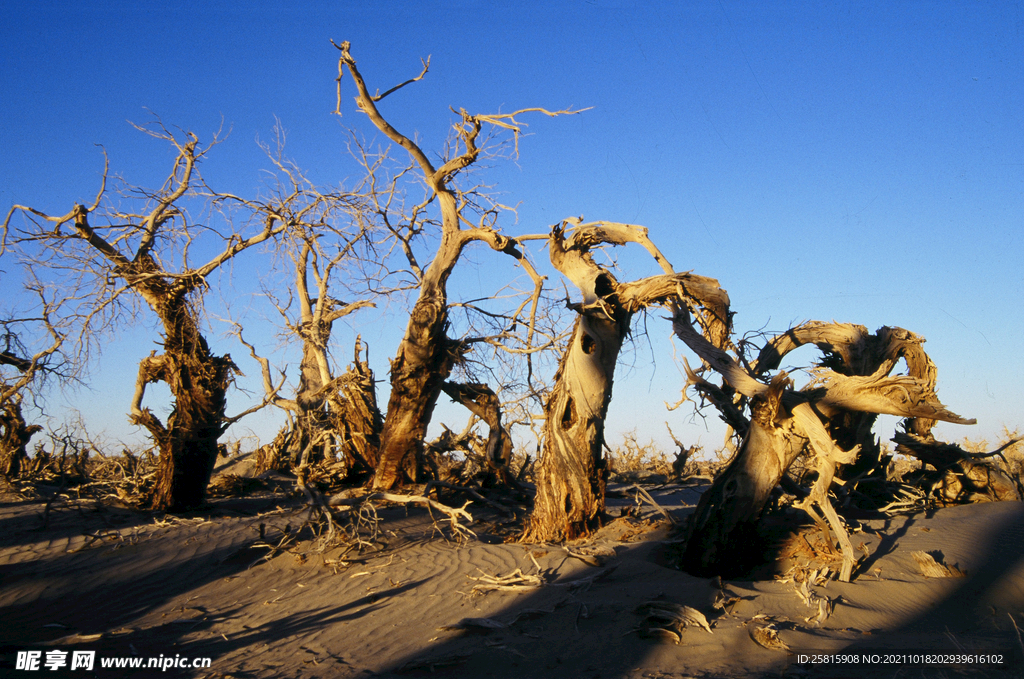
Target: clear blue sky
point(856, 161)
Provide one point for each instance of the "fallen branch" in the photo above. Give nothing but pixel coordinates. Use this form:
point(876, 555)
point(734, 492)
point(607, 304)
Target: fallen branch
point(647, 496)
point(473, 493)
point(516, 581)
point(453, 513)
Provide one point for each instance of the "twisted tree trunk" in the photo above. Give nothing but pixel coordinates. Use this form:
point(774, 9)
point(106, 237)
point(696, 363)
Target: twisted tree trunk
point(722, 528)
point(424, 361)
point(572, 471)
point(426, 355)
point(784, 423)
point(198, 381)
point(14, 437)
point(851, 350)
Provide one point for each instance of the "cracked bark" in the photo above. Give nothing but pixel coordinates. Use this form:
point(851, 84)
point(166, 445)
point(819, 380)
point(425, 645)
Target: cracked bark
point(15, 434)
point(198, 381)
point(572, 472)
point(853, 382)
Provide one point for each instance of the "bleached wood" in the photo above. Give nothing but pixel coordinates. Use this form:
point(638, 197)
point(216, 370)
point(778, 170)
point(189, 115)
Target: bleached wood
point(426, 356)
point(572, 471)
point(849, 402)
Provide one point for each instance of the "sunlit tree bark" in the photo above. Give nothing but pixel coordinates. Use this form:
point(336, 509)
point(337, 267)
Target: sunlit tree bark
point(853, 380)
point(426, 355)
point(130, 255)
point(572, 471)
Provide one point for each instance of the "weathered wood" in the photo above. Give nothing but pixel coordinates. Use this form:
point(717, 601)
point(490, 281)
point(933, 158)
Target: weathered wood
point(572, 472)
point(356, 419)
point(959, 476)
point(15, 434)
point(720, 534)
point(454, 514)
point(426, 355)
point(424, 362)
point(827, 456)
point(483, 402)
point(850, 389)
point(123, 258)
point(198, 381)
point(851, 351)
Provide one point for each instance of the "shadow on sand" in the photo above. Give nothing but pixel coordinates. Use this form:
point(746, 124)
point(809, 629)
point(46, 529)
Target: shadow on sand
point(581, 623)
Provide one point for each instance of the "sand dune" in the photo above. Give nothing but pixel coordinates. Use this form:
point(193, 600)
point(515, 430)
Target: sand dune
point(127, 584)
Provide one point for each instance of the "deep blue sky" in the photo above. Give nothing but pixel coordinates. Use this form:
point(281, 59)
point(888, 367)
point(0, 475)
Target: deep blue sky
point(854, 161)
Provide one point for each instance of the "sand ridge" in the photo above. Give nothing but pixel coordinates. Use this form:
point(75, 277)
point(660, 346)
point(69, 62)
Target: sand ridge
point(128, 583)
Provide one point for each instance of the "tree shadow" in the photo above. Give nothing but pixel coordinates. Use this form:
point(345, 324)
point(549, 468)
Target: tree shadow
point(580, 623)
point(590, 630)
point(105, 585)
point(180, 637)
point(106, 598)
point(980, 615)
point(30, 521)
point(583, 622)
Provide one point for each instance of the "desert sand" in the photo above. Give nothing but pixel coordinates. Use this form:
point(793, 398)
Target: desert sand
point(130, 584)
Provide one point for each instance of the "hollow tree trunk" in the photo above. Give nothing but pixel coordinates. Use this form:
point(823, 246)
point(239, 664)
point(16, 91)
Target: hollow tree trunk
point(572, 472)
point(14, 437)
point(198, 381)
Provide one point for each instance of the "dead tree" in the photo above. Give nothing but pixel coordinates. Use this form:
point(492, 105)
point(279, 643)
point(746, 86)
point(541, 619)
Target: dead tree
point(778, 423)
point(572, 472)
point(952, 475)
point(849, 349)
point(129, 257)
point(481, 400)
point(20, 370)
point(355, 417)
point(15, 434)
point(426, 355)
point(329, 236)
